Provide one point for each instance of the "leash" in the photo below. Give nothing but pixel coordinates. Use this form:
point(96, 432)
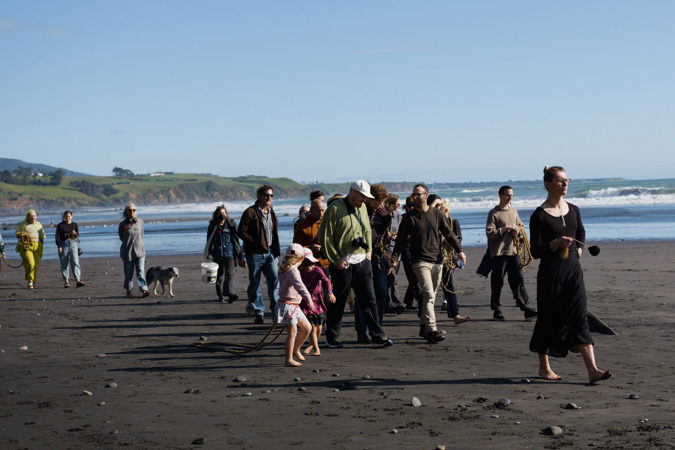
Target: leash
point(220, 346)
point(24, 239)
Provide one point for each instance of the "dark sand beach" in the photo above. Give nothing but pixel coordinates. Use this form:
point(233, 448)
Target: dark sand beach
point(98, 370)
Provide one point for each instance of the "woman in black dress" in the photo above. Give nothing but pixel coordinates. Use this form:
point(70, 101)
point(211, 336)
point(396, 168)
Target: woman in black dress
point(562, 324)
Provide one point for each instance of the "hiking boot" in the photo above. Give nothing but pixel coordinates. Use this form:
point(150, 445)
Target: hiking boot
point(530, 314)
point(434, 336)
point(423, 330)
point(498, 315)
point(382, 342)
point(334, 343)
point(259, 319)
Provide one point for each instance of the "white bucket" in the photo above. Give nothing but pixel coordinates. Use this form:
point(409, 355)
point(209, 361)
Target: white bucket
point(209, 272)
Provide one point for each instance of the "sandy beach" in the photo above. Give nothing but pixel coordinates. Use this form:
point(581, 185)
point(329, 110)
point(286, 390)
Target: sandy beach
point(88, 368)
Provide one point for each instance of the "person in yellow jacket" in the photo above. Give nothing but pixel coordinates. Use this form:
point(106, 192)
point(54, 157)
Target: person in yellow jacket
point(31, 238)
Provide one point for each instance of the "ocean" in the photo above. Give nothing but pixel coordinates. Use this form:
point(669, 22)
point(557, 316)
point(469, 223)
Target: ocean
point(612, 210)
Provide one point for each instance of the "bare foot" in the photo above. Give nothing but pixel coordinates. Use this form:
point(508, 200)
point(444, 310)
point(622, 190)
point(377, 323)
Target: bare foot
point(459, 319)
point(549, 375)
point(317, 353)
point(292, 363)
point(308, 350)
point(599, 375)
point(299, 356)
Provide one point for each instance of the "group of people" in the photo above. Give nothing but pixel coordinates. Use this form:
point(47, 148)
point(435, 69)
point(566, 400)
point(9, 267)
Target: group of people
point(30, 246)
point(349, 248)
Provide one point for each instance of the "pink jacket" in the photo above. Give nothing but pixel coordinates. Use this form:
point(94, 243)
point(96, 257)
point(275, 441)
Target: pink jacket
point(291, 288)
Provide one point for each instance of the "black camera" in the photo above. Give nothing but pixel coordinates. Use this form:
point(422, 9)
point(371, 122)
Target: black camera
point(359, 242)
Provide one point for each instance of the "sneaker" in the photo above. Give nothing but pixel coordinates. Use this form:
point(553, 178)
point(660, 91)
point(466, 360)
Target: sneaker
point(381, 342)
point(259, 319)
point(233, 298)
point(434, 336)
point(221, 299)
point(249, 310)
point(423, 330)
point(444, 306)
point(335, 343)
point(30, 285)
point(498, 315)
point(530, 314)
point(363, 339)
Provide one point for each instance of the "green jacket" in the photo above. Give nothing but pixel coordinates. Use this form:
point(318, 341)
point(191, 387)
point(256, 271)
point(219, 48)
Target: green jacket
point(339, 228)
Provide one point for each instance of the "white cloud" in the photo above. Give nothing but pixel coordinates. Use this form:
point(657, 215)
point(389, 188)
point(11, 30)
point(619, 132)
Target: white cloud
point(7, 25)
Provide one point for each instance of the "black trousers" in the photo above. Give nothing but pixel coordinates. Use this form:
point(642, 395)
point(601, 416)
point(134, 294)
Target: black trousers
point(413, 292)
point(512, 266)
point(225, 277)
point(358, 277)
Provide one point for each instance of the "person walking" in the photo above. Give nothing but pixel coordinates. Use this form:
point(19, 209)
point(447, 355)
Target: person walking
point(223, 248)
point(132, 251)
point(67, 238)
point(30, 245)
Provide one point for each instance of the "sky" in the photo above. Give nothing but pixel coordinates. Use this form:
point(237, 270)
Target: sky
point(382, 90)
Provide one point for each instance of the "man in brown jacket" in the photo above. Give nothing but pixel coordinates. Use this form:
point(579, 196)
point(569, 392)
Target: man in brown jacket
point(259, 230)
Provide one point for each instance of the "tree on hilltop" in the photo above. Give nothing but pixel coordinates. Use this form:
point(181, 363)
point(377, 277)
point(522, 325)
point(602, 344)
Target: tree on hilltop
point(119, 172)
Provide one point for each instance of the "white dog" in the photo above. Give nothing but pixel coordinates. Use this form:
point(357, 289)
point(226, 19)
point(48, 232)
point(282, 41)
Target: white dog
point(163, 276)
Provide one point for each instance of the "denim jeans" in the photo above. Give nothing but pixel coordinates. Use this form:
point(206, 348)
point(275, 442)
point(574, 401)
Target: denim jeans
point(69, 258)
point(262, 264)
point(129, 266)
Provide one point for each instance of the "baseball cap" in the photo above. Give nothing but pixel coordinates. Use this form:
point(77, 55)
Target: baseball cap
point(363, 187)
point(295, 249)
point(309, 255)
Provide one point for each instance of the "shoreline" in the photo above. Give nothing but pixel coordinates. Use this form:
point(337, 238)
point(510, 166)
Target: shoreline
point(150, 388)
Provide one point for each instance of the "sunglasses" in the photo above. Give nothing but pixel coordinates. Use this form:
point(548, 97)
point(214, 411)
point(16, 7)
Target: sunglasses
point(268, 195)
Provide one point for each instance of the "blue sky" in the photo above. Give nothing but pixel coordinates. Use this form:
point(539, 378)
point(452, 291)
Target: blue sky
point(336, 90)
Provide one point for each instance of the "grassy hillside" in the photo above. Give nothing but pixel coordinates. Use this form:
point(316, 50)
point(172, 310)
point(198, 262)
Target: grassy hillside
point(145, 189)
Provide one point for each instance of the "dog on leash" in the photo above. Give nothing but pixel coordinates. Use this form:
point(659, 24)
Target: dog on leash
point(163, 276)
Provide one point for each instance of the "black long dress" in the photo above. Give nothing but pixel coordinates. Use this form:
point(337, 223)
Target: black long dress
point(562, 322)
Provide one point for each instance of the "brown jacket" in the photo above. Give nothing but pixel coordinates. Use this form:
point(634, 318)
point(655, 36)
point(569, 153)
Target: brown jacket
point(252, 232)
point(305, 234)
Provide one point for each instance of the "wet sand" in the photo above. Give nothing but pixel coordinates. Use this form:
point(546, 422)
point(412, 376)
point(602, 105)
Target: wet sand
point(103, 371)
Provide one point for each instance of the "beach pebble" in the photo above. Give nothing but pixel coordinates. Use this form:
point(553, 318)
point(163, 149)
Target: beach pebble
point(394, 431)
point(503, 402)
point(267, 391)
point(516, 423)
point(101, 355)
point(336, 390)
point(199, 441)
point(23, 348)
point(240, 379)
point(302, 389)
point(366, 377)
point(203, 338)
point(114, 432)
point(540, 397)
point(101, 404)
point(643, 420)
point(87, 392)
point(633, 396)
point(552, 431)
point(2, 350)
point(111, 385)
point(524, 380)
point(440, 447)
point(494, 416)
point(296, 379)
point(415, 402)
point(336, 374)
point(316, 371)
point(247, 394)
point(572, 406)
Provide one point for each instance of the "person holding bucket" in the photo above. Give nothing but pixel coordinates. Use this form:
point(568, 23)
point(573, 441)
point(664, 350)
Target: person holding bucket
point(222, 247)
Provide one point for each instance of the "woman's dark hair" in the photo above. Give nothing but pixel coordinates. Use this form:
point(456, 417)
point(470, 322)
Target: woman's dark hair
point(551, 173)
point(216, 213)
point(63, 216)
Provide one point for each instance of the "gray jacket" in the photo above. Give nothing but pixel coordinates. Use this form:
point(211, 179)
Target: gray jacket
point(131, 235)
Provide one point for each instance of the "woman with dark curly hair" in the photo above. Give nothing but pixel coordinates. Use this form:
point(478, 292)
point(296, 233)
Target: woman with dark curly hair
point(223, 247)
